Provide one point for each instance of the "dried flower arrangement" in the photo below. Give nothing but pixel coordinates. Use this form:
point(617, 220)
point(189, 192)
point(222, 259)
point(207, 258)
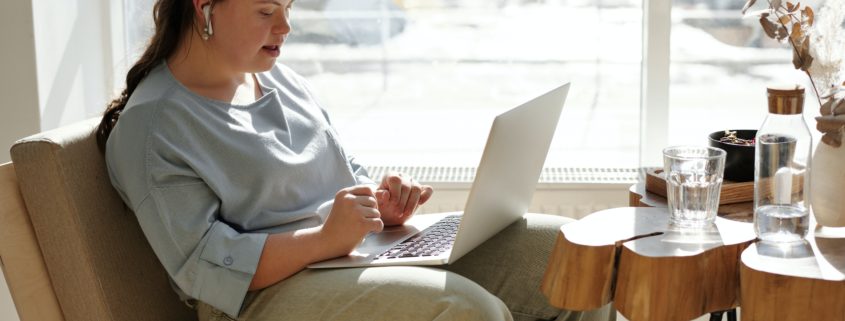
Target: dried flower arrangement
point(799, 26)
point(731, 138)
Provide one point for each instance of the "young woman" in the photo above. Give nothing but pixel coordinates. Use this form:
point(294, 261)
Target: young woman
point(225, 156)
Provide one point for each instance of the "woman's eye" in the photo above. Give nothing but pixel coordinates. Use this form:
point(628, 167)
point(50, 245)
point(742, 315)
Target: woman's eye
point(267, 13)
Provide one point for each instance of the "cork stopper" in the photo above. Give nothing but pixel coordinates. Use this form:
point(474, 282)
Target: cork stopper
point(786, 100)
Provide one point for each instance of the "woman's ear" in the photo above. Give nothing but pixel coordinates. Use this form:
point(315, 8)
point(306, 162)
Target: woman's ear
point(198, 7)
point(202, 8)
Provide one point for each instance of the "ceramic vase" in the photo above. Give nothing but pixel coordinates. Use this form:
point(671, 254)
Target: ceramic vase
point(827, 185)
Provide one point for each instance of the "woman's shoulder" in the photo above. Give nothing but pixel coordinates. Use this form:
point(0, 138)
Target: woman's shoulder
point(150, 91)
point(160, 93)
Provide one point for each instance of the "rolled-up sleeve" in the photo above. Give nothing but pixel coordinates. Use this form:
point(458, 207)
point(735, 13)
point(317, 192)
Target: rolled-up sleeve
point(360, 173)
point(206, 258)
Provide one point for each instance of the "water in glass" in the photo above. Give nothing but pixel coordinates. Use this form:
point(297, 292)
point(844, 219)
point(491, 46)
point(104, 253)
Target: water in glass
point(693, 197)
point(782, 223)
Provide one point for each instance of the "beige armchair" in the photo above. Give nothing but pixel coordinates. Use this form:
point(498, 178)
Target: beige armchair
point(70, 250)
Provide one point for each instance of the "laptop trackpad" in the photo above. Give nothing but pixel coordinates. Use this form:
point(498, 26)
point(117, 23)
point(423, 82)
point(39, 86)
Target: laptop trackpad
point(378, 242)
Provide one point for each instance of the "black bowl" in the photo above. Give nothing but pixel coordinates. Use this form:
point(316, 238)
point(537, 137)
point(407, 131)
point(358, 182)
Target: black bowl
point(739, 161)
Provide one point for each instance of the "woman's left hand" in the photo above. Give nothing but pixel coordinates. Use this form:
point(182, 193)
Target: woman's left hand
point(399, 196)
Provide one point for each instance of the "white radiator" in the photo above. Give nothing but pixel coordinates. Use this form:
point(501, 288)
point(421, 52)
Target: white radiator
point(570, 192)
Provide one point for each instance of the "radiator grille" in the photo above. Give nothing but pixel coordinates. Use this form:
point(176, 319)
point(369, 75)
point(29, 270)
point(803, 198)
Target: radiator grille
point(552, 175)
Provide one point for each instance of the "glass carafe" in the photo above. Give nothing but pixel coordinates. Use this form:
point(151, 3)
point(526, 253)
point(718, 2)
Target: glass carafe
point(782, 169)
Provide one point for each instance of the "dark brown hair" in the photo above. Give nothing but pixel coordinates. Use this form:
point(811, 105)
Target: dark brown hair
point(173, 19)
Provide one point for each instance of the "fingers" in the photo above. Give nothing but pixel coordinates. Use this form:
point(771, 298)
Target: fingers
point(398, 189)
point(405, 197)
point(400, 195)
point(370, 212)
point(375, 225)
point(361, 190)
point(360, 198)
point(412, 201)
point(382, 196)
point(366, 201)
point(427, 191)
point(356, 195)
point(393, 183)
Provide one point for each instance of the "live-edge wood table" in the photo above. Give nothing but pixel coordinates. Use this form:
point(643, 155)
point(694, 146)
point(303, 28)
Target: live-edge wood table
point(629, 256)
point(797, 283)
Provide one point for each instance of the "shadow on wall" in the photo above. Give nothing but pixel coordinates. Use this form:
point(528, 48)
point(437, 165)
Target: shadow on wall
point(81, 74)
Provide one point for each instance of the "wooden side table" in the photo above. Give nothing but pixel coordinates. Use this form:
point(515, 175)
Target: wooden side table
point(795, 283)
point(626, 255)
point(629, 256)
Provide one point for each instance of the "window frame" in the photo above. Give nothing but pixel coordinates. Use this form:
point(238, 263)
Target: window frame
point(654, 101)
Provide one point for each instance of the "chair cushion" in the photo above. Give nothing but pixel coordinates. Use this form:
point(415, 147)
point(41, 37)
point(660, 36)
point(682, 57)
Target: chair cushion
point(22, 262)
point(99, 262)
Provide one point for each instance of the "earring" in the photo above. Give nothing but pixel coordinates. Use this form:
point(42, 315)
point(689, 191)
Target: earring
point(207, 31)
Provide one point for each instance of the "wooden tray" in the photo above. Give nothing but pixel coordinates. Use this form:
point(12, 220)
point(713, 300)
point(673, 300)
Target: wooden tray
point(732, 192)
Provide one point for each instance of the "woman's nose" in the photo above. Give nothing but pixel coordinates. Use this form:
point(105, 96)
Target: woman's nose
point(283, 25)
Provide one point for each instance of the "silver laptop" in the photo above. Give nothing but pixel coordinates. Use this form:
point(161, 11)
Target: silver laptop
point(504, 184)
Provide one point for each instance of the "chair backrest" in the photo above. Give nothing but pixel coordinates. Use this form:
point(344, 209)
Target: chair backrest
point(98, 260)
point(20, 257)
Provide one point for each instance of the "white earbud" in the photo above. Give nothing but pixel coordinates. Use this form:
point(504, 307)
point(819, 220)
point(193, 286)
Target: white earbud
point(207, 31)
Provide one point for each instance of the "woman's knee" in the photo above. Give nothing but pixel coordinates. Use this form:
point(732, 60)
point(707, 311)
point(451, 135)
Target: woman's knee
point(384, 293)
point(467, 300)
point(433, 294)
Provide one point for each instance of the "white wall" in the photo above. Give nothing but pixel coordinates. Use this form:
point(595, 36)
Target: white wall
point(56, 63)
point(19, 115)
point(73, 54)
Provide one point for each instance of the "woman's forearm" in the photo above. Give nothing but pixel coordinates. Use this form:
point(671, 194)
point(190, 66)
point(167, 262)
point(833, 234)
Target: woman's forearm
point(285, 254)
point(353, 215)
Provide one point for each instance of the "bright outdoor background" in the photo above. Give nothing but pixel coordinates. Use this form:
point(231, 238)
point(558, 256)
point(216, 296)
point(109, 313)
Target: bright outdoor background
point(416, 82)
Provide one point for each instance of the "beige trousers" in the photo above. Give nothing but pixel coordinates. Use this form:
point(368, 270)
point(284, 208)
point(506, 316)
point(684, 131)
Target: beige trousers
point(499, 280)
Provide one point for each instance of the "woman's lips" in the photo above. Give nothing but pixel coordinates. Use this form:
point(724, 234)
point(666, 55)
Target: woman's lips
point(271, 50)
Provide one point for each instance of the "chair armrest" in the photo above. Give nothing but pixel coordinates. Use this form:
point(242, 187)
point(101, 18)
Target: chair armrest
point(20, 256)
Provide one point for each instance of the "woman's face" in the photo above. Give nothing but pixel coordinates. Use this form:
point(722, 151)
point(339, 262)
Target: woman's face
point(248, 34)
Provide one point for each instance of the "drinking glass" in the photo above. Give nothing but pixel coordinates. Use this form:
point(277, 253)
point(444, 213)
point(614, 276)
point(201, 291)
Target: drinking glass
point(693, 183)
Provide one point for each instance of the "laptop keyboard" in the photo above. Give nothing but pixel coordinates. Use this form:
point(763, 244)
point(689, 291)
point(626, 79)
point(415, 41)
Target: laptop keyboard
point(433, 241)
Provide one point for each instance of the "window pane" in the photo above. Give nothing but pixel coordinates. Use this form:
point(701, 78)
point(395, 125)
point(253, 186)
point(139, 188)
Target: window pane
point(419, 82)
point(139, 28)
point(721, 65)
point(413, 82)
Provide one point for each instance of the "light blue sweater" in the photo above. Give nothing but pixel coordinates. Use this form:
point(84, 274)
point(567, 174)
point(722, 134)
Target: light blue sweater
point(209, 180)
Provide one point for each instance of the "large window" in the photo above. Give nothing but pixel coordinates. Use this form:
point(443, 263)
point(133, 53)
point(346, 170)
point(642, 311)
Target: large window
point(721, 64)
point(418, 82)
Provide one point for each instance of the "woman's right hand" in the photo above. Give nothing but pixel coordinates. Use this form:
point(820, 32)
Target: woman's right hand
point(354, 215)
